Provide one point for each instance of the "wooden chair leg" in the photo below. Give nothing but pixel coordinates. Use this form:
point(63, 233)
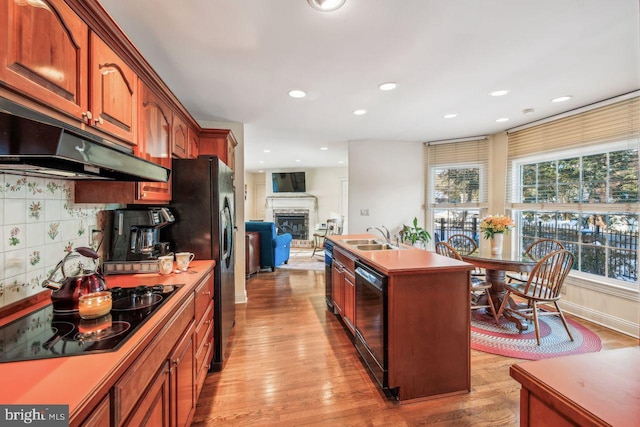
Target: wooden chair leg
point(505, 301)
point(491, 306)
point(564, 321)
point(535, 322)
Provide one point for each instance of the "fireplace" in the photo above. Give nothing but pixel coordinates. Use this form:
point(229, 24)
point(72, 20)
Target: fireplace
point(296, 223)
point(296, 215)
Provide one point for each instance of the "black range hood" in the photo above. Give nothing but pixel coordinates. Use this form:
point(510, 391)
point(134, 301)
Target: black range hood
point(34, 144)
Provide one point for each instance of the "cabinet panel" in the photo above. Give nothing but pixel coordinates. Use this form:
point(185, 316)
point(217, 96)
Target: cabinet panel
point(193, 143)
point(114, 100)
point(183, 388)
point(203, 326)
point(337, 279)
point(154, 142)
point(44, 53)
point(180, 140)
point(100, 416)
point(153, 408)
point(218, 142)
point(349, 304)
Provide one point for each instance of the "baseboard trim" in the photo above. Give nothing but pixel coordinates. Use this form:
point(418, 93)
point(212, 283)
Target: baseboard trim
point(602, 319)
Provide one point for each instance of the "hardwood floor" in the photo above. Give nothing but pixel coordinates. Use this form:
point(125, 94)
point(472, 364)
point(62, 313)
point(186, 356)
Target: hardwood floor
point(291, 363)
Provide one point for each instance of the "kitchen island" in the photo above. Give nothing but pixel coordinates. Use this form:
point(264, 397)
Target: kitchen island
point(147, 378)
point(417, 346)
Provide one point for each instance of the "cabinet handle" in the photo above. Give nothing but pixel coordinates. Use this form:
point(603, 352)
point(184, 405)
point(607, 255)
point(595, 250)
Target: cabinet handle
point(87, 114)
point(207, 293)
point(99, 120)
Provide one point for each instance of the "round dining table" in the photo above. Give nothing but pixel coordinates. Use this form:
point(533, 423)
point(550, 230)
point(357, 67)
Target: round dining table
point(495, 267)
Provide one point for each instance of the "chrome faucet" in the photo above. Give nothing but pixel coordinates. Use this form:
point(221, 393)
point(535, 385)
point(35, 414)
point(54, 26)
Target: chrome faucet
point(385, 233)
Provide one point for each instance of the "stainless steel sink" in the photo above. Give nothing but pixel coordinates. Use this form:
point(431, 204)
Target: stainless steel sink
point(376, 247)
point(361, 242)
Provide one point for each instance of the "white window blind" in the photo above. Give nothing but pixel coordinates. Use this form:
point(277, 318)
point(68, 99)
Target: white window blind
point(582, 133)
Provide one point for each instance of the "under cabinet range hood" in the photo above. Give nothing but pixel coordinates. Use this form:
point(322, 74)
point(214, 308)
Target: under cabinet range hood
point(34, 144)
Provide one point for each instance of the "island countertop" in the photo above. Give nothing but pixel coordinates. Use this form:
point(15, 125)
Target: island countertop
point(407, 259)
point(75, 380)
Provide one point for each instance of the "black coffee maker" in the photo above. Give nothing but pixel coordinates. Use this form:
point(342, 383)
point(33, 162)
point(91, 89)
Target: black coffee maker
point(136, 233)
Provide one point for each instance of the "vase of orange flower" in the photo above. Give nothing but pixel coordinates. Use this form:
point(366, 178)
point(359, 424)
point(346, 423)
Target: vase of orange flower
point(494, 227)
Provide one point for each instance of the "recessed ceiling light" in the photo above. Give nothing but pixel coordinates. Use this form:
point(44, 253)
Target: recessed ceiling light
point(388, 86)
point(561, 98)
point(340, 162)
point(267, 151)
point(297, 93)
point(450, 116)
point(261, 171)
point(502, 119)
point(261, 161)
point(326, 5)
point(528, 111)
point(324, 148)
point(360, 112)
point(500, 92)
point(298, 160)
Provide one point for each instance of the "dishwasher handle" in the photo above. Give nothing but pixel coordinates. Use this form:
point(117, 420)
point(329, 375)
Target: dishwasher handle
point(372, 277)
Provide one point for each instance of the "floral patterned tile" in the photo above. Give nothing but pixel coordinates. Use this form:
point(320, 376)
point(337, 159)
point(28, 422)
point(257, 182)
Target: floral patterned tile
point(35, 188)
point(15, 237)
point(15, 289)
point(34, 281)
point(35, 210)
point(53, 232)
point(2, 304)
point(15, 187)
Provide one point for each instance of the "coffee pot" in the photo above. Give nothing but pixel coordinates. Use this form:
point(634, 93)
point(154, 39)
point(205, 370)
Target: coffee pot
point(77, 274)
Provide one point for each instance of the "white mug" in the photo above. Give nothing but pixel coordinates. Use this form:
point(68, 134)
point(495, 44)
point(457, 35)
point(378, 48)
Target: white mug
point(165, 264)
point(183, 259)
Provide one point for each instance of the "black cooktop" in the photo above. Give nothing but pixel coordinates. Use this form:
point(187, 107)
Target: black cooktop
point(44, 334)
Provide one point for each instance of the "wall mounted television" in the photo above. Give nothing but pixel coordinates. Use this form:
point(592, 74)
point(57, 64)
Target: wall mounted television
point(289, 182)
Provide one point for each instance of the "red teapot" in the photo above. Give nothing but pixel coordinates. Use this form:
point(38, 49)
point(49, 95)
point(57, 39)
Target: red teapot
point(77, 274)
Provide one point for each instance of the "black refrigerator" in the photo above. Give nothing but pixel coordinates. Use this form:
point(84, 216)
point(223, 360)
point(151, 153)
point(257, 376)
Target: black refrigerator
point(203, 205)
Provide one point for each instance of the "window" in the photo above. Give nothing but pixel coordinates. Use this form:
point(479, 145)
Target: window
point(576, 180)
point(457, 187)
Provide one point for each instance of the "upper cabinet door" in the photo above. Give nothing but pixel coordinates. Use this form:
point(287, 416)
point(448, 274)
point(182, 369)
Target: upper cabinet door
point(193, 143)
point(180, 144)
point(113, 92)
point(43, 49)
point(154, 142)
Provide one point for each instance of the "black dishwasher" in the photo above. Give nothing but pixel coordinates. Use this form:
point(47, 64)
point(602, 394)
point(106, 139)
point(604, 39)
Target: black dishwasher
point(328, 263)
point(371, 320)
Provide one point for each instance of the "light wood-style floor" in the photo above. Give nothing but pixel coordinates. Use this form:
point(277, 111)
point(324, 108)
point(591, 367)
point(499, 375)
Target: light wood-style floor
point(291, 363)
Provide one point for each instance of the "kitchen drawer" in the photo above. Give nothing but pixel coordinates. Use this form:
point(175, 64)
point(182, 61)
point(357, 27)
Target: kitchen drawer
point(205, 323)
point(345, 259)
point(202, 351)
point(134, 382)
point(204, 296)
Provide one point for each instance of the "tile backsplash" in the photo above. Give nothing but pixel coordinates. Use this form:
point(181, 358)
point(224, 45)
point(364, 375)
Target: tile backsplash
point(40, 224)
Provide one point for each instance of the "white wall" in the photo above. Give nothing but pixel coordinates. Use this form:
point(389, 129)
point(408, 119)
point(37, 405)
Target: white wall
point(323, 183)
point(238, 132)
point(387, 179)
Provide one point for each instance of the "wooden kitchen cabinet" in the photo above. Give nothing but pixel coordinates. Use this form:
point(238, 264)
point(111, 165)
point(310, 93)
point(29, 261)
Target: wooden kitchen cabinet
point(337, 281)
point(204, 332)
point(114, 90)
point(154, 145)
point(44, 52)
point(192, 136)
point(344, 293)
point(218, 142)
point(182, 377)
point(180, 139)
point(153, 409)
point(252, 253)
point(100, 416)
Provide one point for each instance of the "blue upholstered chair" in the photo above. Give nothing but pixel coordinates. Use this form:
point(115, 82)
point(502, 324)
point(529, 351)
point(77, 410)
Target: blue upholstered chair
point(274, 248)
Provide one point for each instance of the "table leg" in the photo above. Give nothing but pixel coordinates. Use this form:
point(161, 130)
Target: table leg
point(498, 291)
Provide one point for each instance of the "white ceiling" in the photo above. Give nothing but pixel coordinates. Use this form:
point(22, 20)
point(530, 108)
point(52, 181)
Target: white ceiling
point(236, 60)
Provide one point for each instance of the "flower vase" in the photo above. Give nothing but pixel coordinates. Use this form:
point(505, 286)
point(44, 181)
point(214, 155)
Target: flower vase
point(496, 244)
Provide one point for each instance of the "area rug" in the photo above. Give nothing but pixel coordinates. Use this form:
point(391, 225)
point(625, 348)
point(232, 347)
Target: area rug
point(301, 259)
point(505, 339)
